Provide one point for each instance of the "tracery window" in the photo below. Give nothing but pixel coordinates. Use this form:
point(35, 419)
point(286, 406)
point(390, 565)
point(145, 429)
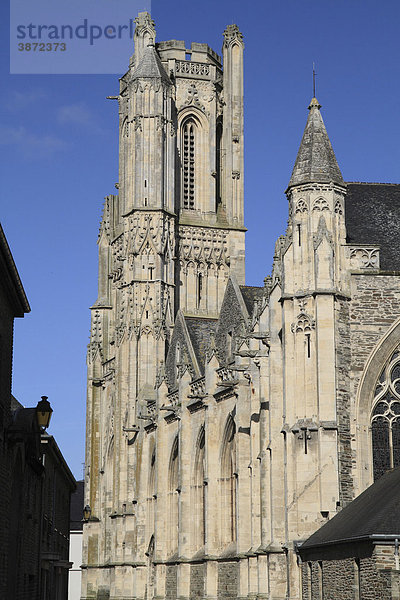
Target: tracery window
point(188, 163)
point(385, 420)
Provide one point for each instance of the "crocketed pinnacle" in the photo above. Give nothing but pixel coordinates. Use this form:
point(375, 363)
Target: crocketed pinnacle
point(150, 66)
point(316, 161)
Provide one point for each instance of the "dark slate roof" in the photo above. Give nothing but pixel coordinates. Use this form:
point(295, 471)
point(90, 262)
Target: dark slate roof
point(250, 294)
point(374, 512)
point(15, 404)
point(24, 420)
point(373, 217)
point(200, 331)
point(316, 161)
point(150, 66)
point(10, 278)
point(76, 511)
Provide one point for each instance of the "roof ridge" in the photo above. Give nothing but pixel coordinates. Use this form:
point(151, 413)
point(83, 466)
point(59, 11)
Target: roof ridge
point(371, 183)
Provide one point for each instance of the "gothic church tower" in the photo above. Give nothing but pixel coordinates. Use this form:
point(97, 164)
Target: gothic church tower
point(168, 241)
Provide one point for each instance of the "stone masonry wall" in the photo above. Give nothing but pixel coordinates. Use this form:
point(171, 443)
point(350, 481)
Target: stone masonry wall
point(374, 308)
point(170, 582)
point(338, 580)
point(197, 573)
point(227, 581)
point(375, 305)
point(343, 357)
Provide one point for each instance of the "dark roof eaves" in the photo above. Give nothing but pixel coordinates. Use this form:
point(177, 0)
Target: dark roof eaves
point(13, 273)
point(46, 438)
point(371, 183)
point(370, 537)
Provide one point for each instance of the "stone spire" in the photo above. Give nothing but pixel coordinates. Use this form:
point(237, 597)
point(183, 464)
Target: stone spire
point(150, 66)
point(316, 161)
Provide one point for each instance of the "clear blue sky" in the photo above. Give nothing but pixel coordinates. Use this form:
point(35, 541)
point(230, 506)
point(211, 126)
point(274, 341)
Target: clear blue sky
point(58, 144)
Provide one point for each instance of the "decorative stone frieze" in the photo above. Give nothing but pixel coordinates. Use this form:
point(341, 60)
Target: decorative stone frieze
point(363, 257)
point(186, 67)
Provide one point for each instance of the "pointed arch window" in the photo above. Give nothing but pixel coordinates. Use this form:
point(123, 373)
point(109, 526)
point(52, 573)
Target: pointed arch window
point(385, 418)
point(228, 483)
point(199, 500)
point(151, 491)
point(173, 481)
point(188, 154)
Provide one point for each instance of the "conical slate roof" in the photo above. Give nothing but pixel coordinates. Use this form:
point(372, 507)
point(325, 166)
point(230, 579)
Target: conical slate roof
point(150, 66)
point(316, 161)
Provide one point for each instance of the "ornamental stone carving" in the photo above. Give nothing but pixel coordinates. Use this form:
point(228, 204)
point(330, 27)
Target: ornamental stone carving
point(338, 207)
point(320, 204)
point(150, 233)
point(304, 323)
point(192, 68)
point(203, 245)
point(193, 98)
point(232, 34)
point(364, 257)
point(301, 206)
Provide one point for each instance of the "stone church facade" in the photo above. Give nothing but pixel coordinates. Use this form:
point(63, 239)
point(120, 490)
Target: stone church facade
point(226, 423)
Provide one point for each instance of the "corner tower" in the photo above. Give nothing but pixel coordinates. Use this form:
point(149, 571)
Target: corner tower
point(315, 294)
point(168, 240)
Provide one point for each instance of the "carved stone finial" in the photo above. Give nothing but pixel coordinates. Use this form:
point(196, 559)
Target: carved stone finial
point(231, 34)
point(145, 34)
point(145, 24)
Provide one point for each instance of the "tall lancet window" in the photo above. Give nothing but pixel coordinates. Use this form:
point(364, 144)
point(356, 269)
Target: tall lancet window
point(385, 421)
point(228, 483)
point(199, 501)
point(173, 481)
point(151, 493)
point(188, 156)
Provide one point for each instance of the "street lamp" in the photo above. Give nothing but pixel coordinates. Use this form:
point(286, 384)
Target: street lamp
point(43, 413)
point(87, 511)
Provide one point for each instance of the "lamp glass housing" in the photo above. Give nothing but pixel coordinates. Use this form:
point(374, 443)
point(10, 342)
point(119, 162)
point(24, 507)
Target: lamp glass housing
point(87, 511)
point(43, 413)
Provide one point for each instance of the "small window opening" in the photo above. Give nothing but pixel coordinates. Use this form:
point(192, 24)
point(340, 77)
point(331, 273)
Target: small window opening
point(188, 56)
point(229, 337)
point(308, 344)
point(145, 201)
point(299, 234)
point(150, 272)
point(145, 183)
point(199, 289)
point(147, 314)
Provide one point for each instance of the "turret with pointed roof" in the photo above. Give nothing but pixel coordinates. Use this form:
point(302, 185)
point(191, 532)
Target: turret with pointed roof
point(316, 161)
point(150, 66)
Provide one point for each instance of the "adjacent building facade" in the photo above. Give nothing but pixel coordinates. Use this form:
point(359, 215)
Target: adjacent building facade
point(75, 542)
point(35, 482)
point(226, 423)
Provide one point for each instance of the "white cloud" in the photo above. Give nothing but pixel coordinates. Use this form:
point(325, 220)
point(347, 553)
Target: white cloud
point(18, 101)
point(30, 144)
point(78, 114)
